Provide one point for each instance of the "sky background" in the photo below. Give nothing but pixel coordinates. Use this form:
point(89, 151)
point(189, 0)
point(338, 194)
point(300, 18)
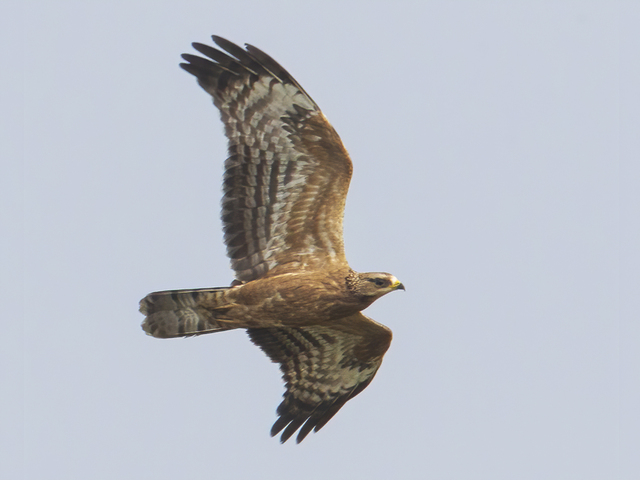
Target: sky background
point(496, 174)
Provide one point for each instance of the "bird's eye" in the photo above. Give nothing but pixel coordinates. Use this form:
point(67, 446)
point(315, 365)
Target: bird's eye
point(380, 282)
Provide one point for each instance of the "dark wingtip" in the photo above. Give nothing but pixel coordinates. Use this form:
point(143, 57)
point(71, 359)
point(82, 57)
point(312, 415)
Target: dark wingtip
point(302, 435)
point(218, 39)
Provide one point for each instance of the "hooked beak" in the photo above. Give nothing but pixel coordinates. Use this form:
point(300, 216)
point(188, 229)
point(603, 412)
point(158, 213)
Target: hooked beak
point(397, 285)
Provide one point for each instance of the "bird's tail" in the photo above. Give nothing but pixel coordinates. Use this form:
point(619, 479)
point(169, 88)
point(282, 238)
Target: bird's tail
point(182, 313)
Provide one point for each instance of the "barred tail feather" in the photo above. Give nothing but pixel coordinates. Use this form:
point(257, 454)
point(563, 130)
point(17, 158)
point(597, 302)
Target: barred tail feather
point(180, 313)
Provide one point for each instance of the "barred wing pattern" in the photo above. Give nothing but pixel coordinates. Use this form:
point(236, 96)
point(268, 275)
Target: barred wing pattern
point(287, 175)
point(323, 367)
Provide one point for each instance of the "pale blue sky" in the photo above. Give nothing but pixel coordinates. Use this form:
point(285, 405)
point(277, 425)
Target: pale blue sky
point(495, 147)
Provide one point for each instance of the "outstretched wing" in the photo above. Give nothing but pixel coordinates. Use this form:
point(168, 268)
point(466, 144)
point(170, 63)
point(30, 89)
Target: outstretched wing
point(287, 175)
point(323, 368)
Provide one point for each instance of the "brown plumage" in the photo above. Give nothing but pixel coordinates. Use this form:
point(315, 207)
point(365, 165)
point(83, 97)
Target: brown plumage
point(285, 187)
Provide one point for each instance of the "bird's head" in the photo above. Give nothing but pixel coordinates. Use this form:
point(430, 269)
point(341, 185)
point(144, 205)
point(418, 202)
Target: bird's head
point(373, 285)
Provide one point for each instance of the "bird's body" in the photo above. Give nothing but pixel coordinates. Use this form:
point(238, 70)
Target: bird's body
point(285, 187)
point(286, 300)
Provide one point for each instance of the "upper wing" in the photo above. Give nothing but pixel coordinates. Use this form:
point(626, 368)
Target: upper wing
point(323, 367)
point(287, 175)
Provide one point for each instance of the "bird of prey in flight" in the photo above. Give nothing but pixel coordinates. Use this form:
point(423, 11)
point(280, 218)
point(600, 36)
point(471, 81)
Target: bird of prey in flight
point(285, 186)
